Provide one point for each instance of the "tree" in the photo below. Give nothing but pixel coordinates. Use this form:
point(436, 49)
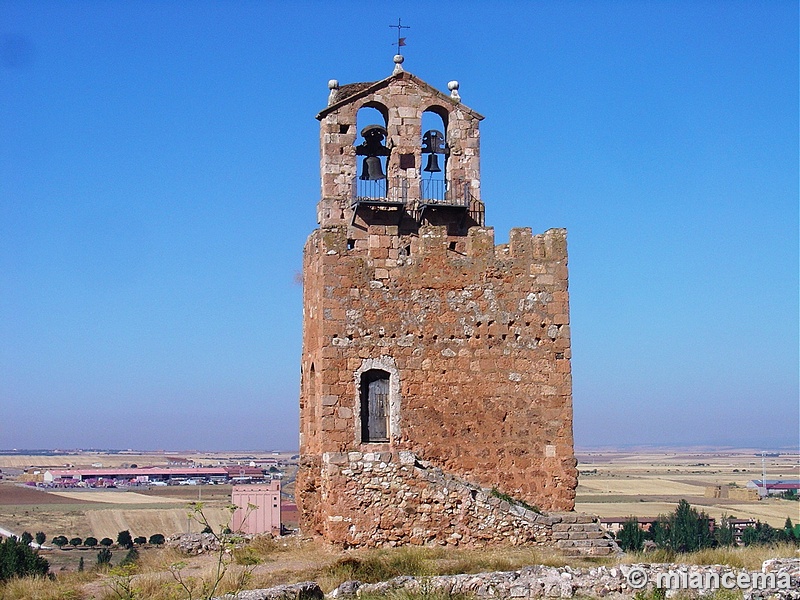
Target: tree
point(688, 529)
point(157, 539)
point(659, 532)
point(60, 541)
point(140, 540)
point(80, 564)
point(104, 557)
point(631, 536)
point(124, 539)
point(106, 542)
point(90, 541)
point(26, 538)
point(725, 534)
point(41, 538)
point(76, 541)
point(20, 560)
point(760, 534)
point(789, 531)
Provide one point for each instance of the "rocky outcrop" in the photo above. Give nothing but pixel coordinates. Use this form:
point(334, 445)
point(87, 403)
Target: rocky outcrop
point(307, 590)
point(777, 579)
point(193, 543)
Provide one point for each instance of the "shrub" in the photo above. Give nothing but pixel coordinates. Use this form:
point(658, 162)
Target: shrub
point(140, 540)
point(90, 541)
point(106, 542)
point(157, 539)
point(104, 557)
point(130, 558)
point(20, 560)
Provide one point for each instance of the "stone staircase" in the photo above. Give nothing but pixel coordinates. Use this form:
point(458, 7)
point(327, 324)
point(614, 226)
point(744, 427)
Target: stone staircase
point(574, 534)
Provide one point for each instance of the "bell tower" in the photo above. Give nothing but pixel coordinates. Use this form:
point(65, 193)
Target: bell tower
point(425, 345)
point(381, 162)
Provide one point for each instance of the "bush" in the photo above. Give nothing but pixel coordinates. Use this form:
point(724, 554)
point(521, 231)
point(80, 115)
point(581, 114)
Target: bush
point(20, 560)
point(90, 541)
point(104, 557)
point(106, 542)
point(157, 539)
point(140, 540)
point(130, 558)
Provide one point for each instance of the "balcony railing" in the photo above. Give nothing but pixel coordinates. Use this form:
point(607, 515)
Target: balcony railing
point(433, 192)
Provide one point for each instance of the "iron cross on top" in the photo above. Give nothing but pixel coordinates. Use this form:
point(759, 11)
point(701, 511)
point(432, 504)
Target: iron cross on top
point(401, 41)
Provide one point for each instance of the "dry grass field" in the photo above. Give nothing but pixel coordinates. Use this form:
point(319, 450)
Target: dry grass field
point(267, 563)
point(648, 483)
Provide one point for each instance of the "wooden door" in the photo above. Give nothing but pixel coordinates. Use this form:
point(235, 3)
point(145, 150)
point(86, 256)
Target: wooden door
point(378, 410)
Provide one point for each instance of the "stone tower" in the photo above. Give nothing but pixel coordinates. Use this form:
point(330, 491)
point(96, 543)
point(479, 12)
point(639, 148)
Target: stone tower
point(434, 361)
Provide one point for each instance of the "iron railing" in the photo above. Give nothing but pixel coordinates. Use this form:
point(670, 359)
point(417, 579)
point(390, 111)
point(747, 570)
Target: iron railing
point(433, 192)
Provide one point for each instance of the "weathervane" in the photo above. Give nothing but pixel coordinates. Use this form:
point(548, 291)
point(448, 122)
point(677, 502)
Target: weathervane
point(401, 41)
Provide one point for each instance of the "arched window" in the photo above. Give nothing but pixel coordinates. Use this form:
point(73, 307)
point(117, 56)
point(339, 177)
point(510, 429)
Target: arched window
point(435, 152)
point(371, 147)
point(374, 406)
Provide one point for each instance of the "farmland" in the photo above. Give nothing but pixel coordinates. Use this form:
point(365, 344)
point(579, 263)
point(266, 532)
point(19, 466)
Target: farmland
point(647, 483)
point(612, 483)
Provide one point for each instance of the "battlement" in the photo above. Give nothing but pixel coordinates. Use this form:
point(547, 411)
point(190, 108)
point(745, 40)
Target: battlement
point(383, 242)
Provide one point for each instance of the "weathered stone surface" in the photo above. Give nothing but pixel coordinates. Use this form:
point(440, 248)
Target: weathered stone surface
point(308, 590)
point(567, 582)
point(474, 339)
point(193, 543)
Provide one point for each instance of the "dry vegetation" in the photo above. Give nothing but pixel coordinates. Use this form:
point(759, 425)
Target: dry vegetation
point(266, 563)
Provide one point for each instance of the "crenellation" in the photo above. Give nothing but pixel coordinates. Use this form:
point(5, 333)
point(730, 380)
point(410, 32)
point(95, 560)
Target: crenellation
point(462, 345)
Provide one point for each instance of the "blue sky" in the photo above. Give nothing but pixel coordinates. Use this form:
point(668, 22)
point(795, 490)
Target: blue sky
point(159, 172)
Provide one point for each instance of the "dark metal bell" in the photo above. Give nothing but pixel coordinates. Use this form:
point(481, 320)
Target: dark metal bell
point(372, 168)
point(433, 164)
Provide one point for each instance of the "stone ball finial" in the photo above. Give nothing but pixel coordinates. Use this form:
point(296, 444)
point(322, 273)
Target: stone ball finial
point(398, 63)
point(333, 86)
point(453, 87)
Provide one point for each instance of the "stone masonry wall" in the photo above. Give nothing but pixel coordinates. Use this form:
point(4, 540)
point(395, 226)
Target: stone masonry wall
point(393, 498)
point(477, 337)
point(402, 99)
